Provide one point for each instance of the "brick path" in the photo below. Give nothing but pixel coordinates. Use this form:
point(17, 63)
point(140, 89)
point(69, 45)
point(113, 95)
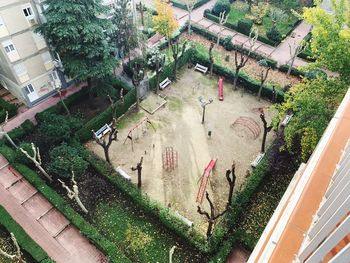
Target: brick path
point(42, 222)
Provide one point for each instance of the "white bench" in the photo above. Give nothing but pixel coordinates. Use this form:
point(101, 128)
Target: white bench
point(102, 131)
point(120, 171)
point(164, 83)
point(286, 120)
point(257, 160)
point(184, 219)
point(201, 68)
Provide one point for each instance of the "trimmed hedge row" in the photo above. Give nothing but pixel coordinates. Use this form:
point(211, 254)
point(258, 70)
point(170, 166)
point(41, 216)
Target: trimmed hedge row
point(245, 80)
point(107, 247)
point(183, 6)
point(165, 215)
point(229, 46)
point(294, 72)
point(24, 241)
point(6, 107)
point(18, 133)
point(98, 121)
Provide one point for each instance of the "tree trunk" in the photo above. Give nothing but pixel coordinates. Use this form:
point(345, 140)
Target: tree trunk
point(229, 202)
point(260, 90)
point(263, 141)
point(106, 151)
point(291, 66)
point(137, 96)
point(10, 140)
point(174, 68)
point(43, 171)
point(139, 179)
point(158, 76)
point(210, 228)
point(211, 68)
point(76, 197)
point(235, 80)
point(218, 40)
point(64, 104)
point(189, 22)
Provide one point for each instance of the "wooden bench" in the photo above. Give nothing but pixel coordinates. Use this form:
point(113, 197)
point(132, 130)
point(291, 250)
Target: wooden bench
point(122, 173)
point(164, 83)
point(257, 160)
point(286, 120)
point(103, 131)
point(201, 68)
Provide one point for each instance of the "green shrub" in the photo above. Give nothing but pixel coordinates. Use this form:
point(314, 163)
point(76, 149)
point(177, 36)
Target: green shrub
point(20, 156)
point(6, 107)
point(227, 43)
point(57, 128)
point(24, 241)
point(27, 126)
point(274, 35)
point(315, 73)
point(294, 72)
point(64, 159)
point(221, 6)
point(244, 26)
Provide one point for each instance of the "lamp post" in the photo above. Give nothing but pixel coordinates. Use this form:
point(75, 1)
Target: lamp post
point(204, 104)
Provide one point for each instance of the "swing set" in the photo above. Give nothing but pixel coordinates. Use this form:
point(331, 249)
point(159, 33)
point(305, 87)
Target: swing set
point(138, 130)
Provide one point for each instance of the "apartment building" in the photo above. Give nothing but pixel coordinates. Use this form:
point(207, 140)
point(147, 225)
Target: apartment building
point(27, 68)
point(312, 221)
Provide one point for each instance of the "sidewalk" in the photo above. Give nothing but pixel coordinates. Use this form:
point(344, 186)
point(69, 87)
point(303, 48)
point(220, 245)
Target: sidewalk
point(42, 222)
point(30, 113)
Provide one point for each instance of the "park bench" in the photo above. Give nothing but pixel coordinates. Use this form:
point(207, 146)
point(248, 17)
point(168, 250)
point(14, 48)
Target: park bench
point(257, 160)
point(183, 219)
point(164, 83)
point(122, 173)
point(103, 131)
point(286, 120)
point(201, 68)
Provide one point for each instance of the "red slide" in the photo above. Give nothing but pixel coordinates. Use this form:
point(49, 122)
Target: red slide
point(221, 88)
point(204, 180)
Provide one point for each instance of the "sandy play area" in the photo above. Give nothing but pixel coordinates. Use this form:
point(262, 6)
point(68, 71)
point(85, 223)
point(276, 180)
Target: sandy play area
point(178, 125)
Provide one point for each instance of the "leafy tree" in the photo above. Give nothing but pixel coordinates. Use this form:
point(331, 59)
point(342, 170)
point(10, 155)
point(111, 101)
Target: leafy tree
point(313, 104)
point(125, 34)
point(258, 12)
point(77, 31)
point(331, 36)
point(177, 51)
point(221, 6)
point(165, 22)
point(64, 159)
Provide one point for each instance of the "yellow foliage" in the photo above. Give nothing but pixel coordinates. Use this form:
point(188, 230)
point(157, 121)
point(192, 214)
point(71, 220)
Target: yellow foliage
point(137, 239)
point(308, 142)
point(258, 12)
point(165, 22)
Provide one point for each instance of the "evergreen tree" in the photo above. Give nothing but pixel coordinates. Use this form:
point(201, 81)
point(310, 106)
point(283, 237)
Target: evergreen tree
point(79, 33)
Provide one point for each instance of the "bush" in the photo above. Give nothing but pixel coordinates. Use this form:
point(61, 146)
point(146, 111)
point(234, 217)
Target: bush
point(128, 66)
point(20, 156)
point(274, 35)
point(244, 26)
point(221, 6)
point(24, 240)
point(227, 43)
point(294, 72)
point(57, 128)
point(64, 159)
point(315, 73)
point(6, 107)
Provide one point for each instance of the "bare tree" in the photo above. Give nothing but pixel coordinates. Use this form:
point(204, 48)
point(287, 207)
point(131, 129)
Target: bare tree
point(139, 172)
point(3, 133)
point(241, 59)
point(58, 89)
point(231, 182)
point(18, 255)
point(137, 77)
point(211, 57)
point(171, 252)
point(222, 21)
point(263, 77)
point(112, 136)
point(177, 52)
point(74, 193)
point(190, 5)
point(212, 217)
point(267, 129)
point(36, 159)
point(294, 51)
point(141, 7)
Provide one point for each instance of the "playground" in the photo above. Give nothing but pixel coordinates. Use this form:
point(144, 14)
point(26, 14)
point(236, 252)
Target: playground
point(176, 147)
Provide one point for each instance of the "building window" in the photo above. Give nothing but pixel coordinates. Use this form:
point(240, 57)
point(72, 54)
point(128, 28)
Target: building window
point(9, 46)
point(53, 76)
point(28, 11)
point(29, 89)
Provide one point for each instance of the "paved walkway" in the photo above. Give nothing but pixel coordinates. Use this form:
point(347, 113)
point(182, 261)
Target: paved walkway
point(29, 114)
point(42, 222)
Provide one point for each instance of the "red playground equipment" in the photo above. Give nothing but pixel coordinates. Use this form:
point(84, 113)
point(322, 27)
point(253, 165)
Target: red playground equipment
point(204, 180)
point(221, 88)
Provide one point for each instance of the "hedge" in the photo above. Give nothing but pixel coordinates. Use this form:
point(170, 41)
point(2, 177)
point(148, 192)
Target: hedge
point(183, 6)
point(294, 72)
point(230, 46)
point(6, 107)
point(24, 241)
point(163, 214)
point(245, 80)
point(18, 133)
point(98, 121)
point(107, 247)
